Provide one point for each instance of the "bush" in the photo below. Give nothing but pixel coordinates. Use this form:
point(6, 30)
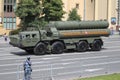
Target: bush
point(13, 32)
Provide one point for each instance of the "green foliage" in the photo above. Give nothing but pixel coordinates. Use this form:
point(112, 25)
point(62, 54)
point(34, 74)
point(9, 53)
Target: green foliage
point(73, 16)
point(39, 23)
point(29, 12)
point(53, 10)
point(16, 31)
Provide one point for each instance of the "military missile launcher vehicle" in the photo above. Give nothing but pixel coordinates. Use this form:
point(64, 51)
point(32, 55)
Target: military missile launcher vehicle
point(58, 36)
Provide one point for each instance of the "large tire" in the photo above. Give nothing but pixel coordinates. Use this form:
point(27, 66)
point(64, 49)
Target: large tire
point(82, 46)
point(40, 49)
point(96, 45)
point(57, 47)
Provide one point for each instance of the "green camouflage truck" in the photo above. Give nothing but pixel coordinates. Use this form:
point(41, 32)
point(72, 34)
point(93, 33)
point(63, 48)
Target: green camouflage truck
point(58, 36)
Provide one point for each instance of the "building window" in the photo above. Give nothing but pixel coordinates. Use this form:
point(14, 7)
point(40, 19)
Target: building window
point(9, 19)
point(4, 1)
point(8, 6)
point(5, 9)
point(10, 1)
point(11, 8)
point(77, 6)
point(14, 1)
point(9, 23)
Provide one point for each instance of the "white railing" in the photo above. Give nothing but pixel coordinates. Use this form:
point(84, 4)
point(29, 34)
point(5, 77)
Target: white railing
point(37, 74)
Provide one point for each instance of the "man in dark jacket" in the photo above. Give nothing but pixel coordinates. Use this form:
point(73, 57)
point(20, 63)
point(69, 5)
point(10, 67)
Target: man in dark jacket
point(27, 69)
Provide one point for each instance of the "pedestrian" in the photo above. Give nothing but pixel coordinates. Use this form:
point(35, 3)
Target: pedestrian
point(27, 69)
point(5, 37)
point(112, 31)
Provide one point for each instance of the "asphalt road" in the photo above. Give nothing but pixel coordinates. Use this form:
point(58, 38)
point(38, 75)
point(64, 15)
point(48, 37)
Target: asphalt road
point(66, 66)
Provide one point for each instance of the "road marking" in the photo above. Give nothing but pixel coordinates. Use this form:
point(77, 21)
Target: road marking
point(108, 42)
point(72, 72)
point(113, 47)
point(69, 63)
point(96, 64)
point(50, 58)
point(6, 58)
point(115, 50)
point(97, 57)
point(36, 70)
point(20, 64)
point(88, 70)
point(39, 62)
point(93, 70)
point(7, 69)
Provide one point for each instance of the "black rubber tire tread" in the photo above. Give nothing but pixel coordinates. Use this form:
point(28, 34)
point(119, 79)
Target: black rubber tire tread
point(40, 49)
point(96, 46)
point(57, 47)
point(82, 46)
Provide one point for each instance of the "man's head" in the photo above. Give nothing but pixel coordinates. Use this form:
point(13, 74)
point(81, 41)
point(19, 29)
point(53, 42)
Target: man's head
point(28, 58)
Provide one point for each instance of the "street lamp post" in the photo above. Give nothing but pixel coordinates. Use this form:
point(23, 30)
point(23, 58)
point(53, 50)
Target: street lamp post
point(118, 16)
point(84, 10)
point(118, 13)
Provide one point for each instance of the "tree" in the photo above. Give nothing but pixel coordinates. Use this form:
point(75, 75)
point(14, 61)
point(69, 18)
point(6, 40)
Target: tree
point(73, 16)
point(29, 12)
point(53, 10)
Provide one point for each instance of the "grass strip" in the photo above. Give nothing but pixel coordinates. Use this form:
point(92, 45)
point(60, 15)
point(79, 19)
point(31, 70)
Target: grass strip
point(114, 76)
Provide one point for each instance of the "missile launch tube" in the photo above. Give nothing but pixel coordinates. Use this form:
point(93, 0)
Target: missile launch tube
point(74, 25)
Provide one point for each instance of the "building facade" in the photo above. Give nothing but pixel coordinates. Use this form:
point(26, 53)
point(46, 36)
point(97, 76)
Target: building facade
point(94, 9)
point(87, 9)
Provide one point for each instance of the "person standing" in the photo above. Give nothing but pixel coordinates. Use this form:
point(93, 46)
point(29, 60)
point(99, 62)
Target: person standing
point(27, 69)
point(5, 37)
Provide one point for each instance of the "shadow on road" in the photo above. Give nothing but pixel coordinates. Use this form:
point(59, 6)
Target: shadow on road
point(88, 50)
point(21, 53)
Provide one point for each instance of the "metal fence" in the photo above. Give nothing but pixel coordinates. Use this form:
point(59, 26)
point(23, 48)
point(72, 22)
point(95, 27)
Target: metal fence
point(38, 74)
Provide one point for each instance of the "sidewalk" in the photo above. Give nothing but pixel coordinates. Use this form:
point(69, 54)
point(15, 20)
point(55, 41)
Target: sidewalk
point(115, 34)
point(2, 40)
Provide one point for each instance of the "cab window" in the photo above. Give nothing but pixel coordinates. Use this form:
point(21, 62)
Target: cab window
point(27, 36)
point(34, 35)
